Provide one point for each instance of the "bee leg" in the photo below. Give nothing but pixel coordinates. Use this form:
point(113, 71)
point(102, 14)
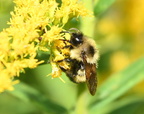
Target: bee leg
point(66, 59)
point(65, 40)
point(63, 69)
point(67, 46)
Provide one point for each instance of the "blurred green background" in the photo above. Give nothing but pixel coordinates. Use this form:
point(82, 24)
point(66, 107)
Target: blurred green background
point(119, 32)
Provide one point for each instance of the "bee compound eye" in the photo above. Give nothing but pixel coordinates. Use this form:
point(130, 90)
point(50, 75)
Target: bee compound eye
point(77, 39)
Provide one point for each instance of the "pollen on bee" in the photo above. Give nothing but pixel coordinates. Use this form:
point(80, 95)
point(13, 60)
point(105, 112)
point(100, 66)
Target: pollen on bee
point(59, 54)
point(56, 71)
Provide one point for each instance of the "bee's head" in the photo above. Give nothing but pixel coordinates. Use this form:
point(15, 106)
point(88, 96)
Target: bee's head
point(76, 38)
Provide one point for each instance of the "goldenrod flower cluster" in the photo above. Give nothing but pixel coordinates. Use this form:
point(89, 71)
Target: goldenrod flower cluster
point(35, 25)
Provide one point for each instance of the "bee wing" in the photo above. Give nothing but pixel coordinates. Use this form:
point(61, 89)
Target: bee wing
point(91, 79)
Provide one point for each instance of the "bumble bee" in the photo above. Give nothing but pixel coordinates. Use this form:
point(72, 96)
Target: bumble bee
point(82, 59)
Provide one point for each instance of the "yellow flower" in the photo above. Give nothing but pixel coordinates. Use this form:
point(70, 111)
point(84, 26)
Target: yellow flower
point(35, 25)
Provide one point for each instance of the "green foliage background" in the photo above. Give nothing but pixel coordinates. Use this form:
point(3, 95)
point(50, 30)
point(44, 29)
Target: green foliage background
point(120, 71)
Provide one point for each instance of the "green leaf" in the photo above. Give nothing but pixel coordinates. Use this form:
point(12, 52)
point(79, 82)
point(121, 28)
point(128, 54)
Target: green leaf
point(117, 85)
point(102, 5)
point(29, 94)
point(43, 56)
point(127, 104)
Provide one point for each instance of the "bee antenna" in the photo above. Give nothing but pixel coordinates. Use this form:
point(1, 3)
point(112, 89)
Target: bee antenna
point(64, 32)
point(71, 30)
point(74, 29)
